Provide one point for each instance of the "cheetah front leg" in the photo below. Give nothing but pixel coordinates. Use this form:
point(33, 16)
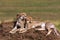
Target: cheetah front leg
point(14, 30)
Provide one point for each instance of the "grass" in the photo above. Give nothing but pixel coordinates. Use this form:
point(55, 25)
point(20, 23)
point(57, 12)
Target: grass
point(38, 9)
point(57, 24)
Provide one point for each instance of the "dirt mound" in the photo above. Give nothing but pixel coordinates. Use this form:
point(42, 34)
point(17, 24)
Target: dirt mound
point(31, 34)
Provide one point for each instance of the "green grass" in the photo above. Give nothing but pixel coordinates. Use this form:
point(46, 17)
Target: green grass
point(38, 9)
point(58, 27)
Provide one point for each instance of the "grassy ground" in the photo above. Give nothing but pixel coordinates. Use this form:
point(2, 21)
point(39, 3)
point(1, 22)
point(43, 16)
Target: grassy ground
point(44, 9)
point(38, 9)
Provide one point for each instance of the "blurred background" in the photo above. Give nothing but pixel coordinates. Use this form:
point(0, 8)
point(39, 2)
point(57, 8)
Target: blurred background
point(38, 9)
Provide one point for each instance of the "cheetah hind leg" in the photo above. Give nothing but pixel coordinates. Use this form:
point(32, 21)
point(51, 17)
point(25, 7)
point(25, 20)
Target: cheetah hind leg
point(49, 31)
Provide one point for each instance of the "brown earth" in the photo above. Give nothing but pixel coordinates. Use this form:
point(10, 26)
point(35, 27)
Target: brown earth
point(29, 35)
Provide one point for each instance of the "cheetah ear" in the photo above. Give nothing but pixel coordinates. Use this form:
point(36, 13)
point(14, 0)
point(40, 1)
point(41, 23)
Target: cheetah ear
point(23, 14)
point(20, 14)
